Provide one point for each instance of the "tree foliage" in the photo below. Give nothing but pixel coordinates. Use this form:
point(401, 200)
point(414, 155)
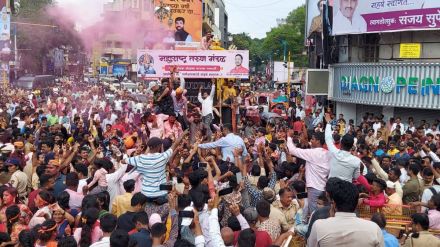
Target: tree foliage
point(271, 47)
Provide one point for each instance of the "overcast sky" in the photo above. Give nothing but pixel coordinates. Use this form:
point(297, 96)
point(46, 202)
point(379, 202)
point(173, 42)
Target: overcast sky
point(257, 17)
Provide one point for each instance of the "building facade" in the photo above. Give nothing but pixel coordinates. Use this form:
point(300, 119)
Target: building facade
point(371, 76)
point(215, 20)
point(114, 53)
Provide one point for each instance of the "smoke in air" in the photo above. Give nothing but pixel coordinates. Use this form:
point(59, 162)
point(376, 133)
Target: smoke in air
point(94, 25)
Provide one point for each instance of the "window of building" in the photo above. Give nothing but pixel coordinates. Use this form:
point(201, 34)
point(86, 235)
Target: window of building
point(371, 47)
point(210, 14)
point(118, 44)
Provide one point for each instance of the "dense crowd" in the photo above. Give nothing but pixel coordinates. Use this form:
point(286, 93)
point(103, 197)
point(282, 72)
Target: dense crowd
point(80, 169)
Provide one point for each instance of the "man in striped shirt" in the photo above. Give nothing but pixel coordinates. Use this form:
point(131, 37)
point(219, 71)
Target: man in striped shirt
point(152, 167)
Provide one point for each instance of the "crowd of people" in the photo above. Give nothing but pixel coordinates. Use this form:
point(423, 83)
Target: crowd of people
point(79, 169)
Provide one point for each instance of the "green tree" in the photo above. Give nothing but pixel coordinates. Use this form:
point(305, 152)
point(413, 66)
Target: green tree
point(293, 33)
point(271, 47)
point(242, 40)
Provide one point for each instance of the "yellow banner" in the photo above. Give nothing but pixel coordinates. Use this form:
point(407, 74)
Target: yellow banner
point(410, 50)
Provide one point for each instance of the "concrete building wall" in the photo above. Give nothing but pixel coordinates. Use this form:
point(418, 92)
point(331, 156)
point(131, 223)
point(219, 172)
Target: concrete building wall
point(389, 46)
point(215, 19)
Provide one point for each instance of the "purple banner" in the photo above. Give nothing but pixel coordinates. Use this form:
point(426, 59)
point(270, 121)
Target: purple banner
point(403, 20)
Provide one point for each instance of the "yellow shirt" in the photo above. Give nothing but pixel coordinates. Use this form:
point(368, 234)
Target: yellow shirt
point(392, 152)
point(394, 205)
point(122, 204)
point(288, 212)
point(229, 92)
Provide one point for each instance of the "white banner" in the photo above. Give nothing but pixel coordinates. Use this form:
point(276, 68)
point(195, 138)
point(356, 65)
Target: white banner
point(372, 16)
point(193, 64)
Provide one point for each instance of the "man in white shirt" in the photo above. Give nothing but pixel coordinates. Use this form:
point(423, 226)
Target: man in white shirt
point(343, 164)
point(107, 120)
point(397, 122)
point(207, 102)
point(300, 112)
point(433, 130)
point(347, 19)
point(377, 125)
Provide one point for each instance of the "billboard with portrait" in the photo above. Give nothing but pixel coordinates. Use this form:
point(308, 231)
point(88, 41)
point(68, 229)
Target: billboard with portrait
point(370, 16)
point(187, 21)
point(314, 16)
point(193, 64)
point(5, 24)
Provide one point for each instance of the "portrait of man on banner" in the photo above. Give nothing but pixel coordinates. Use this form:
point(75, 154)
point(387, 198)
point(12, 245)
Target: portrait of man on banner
point(316, 25)
point(181, 34)
point(239, 68)
point(347, 18)
point(145, 65)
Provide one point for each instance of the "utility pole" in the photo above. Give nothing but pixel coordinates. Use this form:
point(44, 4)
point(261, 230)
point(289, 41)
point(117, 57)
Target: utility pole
point(284, 49)
point(288, 77)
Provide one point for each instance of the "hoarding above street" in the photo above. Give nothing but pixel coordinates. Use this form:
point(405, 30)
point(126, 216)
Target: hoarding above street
point(193, 64)
point(370, 16)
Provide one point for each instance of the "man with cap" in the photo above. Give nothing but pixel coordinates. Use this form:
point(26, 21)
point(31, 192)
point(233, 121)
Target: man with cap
point(19, 179)
point(275, 213)
point(152, 167)
point(343, 164)
point(180, 102)
point(394, 200)
point(53, 169)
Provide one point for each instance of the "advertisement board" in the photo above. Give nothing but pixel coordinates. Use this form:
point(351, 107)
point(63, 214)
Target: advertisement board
point(186, 29)
point(280, 71)
point(193, 64)
point(317, 81)
point(315, 10)
point(5, 25)
point(369, 16)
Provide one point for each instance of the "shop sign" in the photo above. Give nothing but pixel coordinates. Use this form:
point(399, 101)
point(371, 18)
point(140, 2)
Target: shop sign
point(388, 84)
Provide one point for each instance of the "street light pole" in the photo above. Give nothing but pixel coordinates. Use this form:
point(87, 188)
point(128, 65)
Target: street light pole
point(284, 49)
point(288, 77)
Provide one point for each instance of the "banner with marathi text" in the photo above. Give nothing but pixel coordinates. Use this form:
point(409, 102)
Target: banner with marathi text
point(370, 16)
point(186, 27)
point(193, 64)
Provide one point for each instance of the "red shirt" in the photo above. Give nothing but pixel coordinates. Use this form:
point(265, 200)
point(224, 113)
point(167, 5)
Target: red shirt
point(120, 127)
point(262, 238)
point(297, 126)
point(374, 201)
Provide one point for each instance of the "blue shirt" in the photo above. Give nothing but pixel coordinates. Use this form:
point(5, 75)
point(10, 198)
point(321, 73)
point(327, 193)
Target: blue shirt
point(142, 238)
point(60, 185)
point(389, 239)
point(379, 153)
point(405, 156)
point(227, 145)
